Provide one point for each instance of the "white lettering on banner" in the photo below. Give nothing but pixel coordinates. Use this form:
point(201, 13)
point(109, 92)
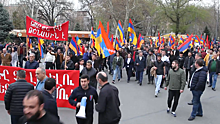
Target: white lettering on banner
point(62, 94)
point(60, 27)
point(56, 36)
point(55, 77)
point(51, 35)
point(35, 24)
point(3, 88)
point(63, 35)
point(15, 74)
point(4, 75)
point(66, 78)
point(47, 35)
point(31, 78)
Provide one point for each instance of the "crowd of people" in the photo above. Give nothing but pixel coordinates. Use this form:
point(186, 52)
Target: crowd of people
point(164, 67)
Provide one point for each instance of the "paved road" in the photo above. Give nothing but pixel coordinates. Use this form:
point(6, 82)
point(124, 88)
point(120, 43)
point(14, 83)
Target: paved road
point(139, 106)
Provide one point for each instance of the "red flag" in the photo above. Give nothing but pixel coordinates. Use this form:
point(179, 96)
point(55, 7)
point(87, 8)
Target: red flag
point(207, 42)
point(138, 42)
point(159, 38)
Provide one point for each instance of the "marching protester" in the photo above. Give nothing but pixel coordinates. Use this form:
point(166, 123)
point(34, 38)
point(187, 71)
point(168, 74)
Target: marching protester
point(140, 63)
point(41, 77)
point(6, 58)
point(117, 65)
point(91, 72)
point(21, 53)
point(14, 57)
point(151, 58)
point(85, 90)
point(198, 56)
point(31, 63)
point(108, 102)
point(181, 60)
point(166, 62)
point(14, 96)
point(160, 73)
point(176, 81)
point(198, 82)
point(50, 59)
point(214, 71)
point(50, 104)
point(188, 64)
point(129, 65)
point(69, 64)
point(34, 112)
point(58, 58)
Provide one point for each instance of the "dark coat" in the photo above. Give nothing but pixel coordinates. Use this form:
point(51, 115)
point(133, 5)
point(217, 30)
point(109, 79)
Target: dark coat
point(31, 65)
point(186, 61)
point(90, 93)
point(142, 63)
point(69, 64)
point(199, 79)
point(108, 105)
point(92, 76)
point(14, 96)
point(50, 104)
point(130, 65)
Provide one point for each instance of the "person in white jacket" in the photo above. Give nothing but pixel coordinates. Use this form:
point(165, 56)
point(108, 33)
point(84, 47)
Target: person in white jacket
point(49, 60)
point(14, 56)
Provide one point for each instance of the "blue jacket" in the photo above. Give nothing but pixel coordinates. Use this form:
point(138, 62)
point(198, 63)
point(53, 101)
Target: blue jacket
point(142, 63)
point(86, 56)
point(199, 79)
point(50, 104)
point(31, 65)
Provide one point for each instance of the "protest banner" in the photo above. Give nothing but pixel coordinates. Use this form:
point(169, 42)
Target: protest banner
point(66, 81)
point(36, 29)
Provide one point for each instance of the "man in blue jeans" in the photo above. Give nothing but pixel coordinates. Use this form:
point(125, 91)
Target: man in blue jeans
point(213, 68)
point(198, 82)
point(140, 67)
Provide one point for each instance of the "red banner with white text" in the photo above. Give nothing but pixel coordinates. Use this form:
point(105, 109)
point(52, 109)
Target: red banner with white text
point(36, 29)
point(66, 81)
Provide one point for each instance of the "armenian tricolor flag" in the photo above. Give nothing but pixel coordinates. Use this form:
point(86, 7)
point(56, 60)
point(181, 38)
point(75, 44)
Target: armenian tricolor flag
point(40, 47)
point(103, 44)
point(73, 46)
point(92, 44)
point(133, 33)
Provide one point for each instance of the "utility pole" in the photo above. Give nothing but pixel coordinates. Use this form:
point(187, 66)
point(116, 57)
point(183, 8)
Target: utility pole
point(217, 21)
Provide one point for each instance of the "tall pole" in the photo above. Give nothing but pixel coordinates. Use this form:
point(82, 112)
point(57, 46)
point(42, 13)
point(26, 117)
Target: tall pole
point(217, 21)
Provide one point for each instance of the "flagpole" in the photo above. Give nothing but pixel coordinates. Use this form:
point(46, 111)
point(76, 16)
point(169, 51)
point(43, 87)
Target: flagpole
point(27, 46)
point(66, 53)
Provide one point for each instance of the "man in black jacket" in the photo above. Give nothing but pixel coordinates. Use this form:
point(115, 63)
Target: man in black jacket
point(15, 95)
point(84, 91)
point(69, 64)
point(108, 102)
point(198, 83)
point(140, 63)
point(188, 64)
point(50, 104)
point(34, 112)
point(91, 72)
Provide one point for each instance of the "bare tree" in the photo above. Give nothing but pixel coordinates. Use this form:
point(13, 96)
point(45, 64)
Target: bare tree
point(48, 10)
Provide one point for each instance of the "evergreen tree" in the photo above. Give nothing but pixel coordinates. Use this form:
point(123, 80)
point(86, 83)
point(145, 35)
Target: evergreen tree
point(77, 27)
point(5, 24)
point(207, 32)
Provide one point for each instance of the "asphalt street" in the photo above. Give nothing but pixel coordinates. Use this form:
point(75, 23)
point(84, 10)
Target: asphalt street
point(139, 106)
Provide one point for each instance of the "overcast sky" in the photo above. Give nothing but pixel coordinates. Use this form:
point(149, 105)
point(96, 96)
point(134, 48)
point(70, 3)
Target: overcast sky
point(202, 2)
